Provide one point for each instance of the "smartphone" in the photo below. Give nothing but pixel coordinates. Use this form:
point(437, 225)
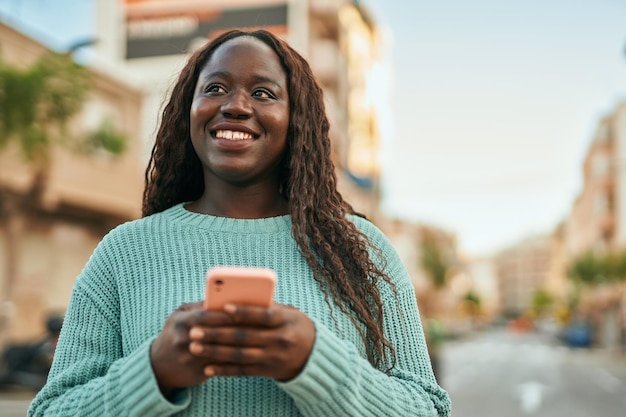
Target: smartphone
point(239, 285)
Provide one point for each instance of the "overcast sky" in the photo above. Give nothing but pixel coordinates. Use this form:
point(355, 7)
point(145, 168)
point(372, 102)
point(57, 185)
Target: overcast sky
point(494, 104)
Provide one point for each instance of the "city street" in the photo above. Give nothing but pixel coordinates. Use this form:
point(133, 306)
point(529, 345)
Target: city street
point(501, 374)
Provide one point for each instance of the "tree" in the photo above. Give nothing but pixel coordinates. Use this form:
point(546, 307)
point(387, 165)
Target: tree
point(434, 261)
point(542, 301)
point(472, 303)
point(36, 105)
point(592, 269)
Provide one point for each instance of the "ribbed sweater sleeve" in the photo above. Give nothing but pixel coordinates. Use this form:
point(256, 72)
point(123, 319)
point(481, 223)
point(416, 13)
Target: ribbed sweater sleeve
point(90, 376)
point(338, 381)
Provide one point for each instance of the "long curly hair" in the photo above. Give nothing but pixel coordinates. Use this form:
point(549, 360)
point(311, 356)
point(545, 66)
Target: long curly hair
point(333, 247)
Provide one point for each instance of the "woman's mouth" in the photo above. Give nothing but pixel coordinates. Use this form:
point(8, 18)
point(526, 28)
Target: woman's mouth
point(232, 135)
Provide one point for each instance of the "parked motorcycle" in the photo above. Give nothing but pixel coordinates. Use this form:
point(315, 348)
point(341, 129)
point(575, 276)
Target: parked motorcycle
point(26, 365)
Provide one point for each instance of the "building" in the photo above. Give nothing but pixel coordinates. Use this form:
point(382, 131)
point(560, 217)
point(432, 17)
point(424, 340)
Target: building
point(557, 284)
point(521, 270)
point(408, 239)
point(44, 246)
point(597, 223)
point(592, 223)
point(483, 281)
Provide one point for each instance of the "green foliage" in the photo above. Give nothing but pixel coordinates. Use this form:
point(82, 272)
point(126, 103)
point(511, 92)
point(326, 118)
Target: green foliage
point(585, 268)
point(107, 138)
point(434, 261)
point(542, 300)
point(616, 265)
point(66, 86)
point(436, 332)
point(34, 141)
point(473, 298)
point(471, 303)
point(37, 102)
point(18, 100)
point(592, 269)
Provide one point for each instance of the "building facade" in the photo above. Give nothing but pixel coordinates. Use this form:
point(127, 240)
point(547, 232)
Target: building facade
point(592, 222)
point(597, 223)
point(44, 246)
point(521, 270)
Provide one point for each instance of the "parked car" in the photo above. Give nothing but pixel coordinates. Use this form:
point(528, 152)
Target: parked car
point(577, 334)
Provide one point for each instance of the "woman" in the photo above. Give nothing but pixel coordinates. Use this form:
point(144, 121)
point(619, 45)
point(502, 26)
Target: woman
point(241, 174)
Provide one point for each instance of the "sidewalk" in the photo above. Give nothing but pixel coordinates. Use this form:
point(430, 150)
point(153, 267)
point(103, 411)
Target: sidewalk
point(15, 403)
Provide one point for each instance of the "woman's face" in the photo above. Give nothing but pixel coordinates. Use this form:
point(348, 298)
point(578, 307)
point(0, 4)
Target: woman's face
point(240, 113)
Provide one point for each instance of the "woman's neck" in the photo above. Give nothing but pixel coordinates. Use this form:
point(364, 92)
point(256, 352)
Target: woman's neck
point(246, 203)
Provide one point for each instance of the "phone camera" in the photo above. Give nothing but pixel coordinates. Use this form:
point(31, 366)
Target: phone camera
point(219, 282)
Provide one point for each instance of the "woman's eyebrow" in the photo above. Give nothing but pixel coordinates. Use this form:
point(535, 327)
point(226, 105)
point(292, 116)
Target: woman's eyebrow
point(216, 74)
point(228, 75)
point(262, 78)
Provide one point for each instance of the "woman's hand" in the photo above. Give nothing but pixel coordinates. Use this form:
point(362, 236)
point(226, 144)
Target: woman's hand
point(272, 342)
point(173, 364)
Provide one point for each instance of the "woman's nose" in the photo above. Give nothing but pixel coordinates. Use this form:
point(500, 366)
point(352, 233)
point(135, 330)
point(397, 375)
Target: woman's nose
point(237, 105)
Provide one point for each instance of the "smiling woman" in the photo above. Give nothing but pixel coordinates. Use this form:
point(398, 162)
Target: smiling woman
point(239, 120)
point(241, 175)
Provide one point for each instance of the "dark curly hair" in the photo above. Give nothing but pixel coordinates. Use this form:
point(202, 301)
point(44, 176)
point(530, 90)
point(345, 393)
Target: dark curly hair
point(334, 248)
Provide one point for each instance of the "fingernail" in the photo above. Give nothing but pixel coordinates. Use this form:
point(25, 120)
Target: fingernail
point(196, 333)
point(209, 371)
point(230, 308)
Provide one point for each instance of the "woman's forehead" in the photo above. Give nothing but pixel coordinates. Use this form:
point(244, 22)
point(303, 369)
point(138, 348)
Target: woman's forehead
point(244, 47)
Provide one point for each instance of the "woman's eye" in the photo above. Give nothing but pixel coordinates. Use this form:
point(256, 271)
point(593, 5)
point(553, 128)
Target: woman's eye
point(214, 89)
point(262, 94)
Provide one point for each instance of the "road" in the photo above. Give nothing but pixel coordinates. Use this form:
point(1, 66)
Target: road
point(502, 374)
point(14, 403)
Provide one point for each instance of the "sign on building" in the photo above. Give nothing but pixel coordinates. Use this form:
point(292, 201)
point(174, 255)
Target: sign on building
point(172, 27)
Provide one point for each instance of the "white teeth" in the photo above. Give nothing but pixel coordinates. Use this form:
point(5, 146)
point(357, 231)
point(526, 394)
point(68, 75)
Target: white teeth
point(232, 135)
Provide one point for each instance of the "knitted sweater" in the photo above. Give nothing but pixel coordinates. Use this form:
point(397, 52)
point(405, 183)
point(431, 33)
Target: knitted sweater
point(144, 269)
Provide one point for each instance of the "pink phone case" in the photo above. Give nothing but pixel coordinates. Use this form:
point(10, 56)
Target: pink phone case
point(239, 285)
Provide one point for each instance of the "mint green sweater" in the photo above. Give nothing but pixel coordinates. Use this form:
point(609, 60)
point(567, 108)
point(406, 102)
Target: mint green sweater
point(143, 270)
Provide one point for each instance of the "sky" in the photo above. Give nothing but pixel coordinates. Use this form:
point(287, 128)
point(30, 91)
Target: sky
point(493, 104)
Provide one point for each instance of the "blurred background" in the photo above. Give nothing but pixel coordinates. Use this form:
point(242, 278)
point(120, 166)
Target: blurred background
point(487, 139)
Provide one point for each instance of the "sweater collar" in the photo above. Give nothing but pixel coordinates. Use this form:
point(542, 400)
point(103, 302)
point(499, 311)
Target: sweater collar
point(179, 214)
